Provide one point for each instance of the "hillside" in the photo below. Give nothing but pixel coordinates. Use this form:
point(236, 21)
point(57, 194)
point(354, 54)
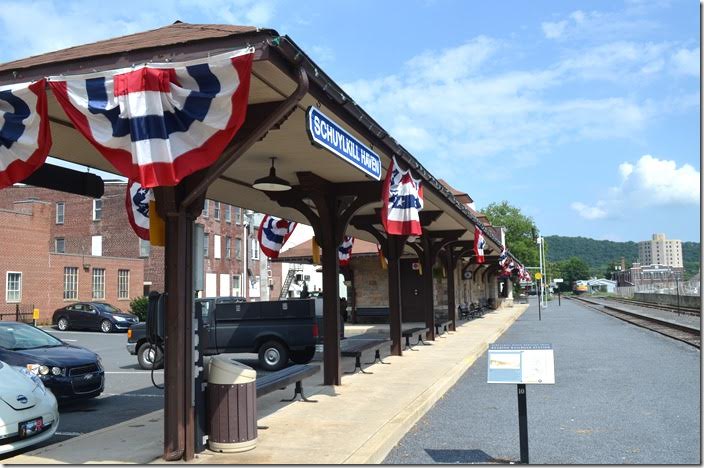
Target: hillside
point(599, 253)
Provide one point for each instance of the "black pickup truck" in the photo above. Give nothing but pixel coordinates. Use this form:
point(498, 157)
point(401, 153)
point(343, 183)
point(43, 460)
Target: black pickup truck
point(276, 330)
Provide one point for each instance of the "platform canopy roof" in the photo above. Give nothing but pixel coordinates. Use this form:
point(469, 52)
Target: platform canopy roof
point(274, 73)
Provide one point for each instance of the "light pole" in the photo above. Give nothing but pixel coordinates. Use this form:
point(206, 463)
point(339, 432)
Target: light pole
point(540, 242)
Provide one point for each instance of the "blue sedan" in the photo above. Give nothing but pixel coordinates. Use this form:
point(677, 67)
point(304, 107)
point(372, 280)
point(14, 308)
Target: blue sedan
point(70, 372)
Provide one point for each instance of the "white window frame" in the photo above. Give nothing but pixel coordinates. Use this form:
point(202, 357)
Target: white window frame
point(123, 284)
point(236, 285)
point(228, 214)
point(94, 277)
point(216, 210)
point(206, 208)
point(254, 248)
point(217, 247)
point(70, 273)
point(18, 290)
point(56, 244)
point(238, 248)
point(145, 248)
point(96, 246)
point(63, 212)
point(206, 247)
point(97, 210)
point(228, 247)
point(238, 215)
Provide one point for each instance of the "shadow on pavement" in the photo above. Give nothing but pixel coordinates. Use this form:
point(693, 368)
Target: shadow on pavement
point(463, 456)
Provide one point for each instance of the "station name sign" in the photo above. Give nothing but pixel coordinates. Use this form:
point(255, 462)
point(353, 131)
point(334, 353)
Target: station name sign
point(521, 364)
point(325, 133)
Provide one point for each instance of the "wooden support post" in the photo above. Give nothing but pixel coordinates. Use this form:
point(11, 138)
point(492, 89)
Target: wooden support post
point(394, 250)
point(450, 264)
point(428, 261)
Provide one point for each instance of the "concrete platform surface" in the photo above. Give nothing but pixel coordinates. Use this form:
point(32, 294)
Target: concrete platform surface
point(358, 422)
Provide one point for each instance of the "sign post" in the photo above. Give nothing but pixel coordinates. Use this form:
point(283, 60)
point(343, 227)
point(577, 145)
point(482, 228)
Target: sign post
point(521, 364)
point(539, 277)
point(558, 280)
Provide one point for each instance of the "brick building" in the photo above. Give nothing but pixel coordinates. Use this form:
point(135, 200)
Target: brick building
point(57, 248)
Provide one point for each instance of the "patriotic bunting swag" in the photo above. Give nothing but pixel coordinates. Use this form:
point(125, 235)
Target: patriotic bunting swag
point(402, 200)
point(24, 131)
point(158, 123)
point(273, 234)
point(344, 252)
point(479, 244)
point(137, 200)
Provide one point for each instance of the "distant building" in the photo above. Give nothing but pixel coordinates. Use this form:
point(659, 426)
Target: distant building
point(660, 251)
point(601, 285)
point(648, 275)
point(59, 248)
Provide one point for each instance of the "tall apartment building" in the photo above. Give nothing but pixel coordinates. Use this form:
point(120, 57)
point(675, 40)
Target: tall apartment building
point(57, 248)
point(660, 251)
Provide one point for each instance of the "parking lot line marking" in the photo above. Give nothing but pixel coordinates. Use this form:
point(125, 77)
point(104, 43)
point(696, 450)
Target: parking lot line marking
point(145, 372)
point(131, 395)
point(70, 434)
point(69, 340)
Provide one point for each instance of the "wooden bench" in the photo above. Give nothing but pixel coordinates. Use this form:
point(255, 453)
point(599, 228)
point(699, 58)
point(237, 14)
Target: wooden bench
point(411, 332)
point(371, 314)
point(442, 327)
point(353, 347)
point(281, 379)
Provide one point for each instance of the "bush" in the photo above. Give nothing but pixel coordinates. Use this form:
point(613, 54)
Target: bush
point(138, 305)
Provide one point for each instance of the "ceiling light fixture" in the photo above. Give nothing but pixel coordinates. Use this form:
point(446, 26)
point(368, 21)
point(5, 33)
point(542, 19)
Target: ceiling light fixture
point(271, 183)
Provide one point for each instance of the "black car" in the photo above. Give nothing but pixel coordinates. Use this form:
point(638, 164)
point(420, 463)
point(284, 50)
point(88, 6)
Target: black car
point(69, 371)
point(93, 316)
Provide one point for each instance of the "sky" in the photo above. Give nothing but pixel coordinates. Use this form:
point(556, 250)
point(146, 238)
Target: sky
point(585, 115)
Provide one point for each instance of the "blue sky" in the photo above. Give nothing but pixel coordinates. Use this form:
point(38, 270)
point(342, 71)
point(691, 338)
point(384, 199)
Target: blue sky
point(585, 115)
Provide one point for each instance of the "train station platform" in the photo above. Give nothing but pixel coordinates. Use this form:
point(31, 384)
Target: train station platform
point(357, 422)
point(623, 394)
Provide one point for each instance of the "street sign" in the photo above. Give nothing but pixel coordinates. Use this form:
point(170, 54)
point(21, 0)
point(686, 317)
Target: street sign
point(538, 276)
point(325, 133)
point(521, 364)
point(559, 280)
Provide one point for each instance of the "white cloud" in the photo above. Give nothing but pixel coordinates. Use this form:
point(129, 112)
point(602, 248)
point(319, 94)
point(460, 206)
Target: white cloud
point(453, 63)
point(649, 182)
point(588, 212)
point(553, 30)
point(686, 61)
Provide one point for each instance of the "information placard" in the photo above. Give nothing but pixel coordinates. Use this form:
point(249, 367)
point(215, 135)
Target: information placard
point(521, 364)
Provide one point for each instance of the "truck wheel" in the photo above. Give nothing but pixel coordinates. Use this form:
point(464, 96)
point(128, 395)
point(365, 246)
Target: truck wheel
point(273, 356)
point(149, 357)
point(303, 356)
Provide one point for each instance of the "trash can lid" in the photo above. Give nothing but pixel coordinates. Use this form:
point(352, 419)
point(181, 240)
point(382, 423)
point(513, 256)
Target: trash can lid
point(227, 371)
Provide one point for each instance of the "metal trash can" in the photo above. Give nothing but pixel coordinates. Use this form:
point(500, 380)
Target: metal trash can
point(232, 405)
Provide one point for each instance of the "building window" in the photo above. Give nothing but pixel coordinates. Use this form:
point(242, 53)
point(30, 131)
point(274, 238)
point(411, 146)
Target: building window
point(96, 246)
point(59, 245)
point(255, 249)
point(228, 214)
point(238, 248)
point(236, 286)
point(144, 247)
point(60, 213)
point(216, 210)
point(217, 248)
point(97, 210)
point(228, 247)
point(98, 283)
point(123, 284)
point(206, 241)
point(13, 286)
point(238, 215)
point(70, 283)
point(206, 205)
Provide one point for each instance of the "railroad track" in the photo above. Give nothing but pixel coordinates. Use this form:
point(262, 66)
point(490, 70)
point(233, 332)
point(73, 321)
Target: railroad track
point(682, 310)
point(677, 331)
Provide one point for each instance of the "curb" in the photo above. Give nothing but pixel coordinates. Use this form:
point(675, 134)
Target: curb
point(387, 437)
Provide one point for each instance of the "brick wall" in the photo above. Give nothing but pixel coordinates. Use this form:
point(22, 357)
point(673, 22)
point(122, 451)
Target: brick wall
point(371, 283)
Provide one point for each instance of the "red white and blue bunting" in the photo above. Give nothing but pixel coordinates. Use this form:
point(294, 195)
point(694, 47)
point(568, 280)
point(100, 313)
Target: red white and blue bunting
point(137, 200)
point(273, 234)
point(344, 252)
point(25, 139)
point(402, 200)
point(158, 123)
point(479, 244)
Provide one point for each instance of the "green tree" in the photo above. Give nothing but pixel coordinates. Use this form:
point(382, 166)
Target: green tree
point(519, 231)
point(571, 270)
point(138, 306)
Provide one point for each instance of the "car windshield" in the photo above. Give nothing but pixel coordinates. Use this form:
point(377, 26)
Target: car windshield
point(17, 336)
point(107, 308)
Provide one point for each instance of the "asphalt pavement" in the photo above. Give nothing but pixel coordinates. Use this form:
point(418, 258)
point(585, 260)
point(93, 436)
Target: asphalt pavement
point(623, 394)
